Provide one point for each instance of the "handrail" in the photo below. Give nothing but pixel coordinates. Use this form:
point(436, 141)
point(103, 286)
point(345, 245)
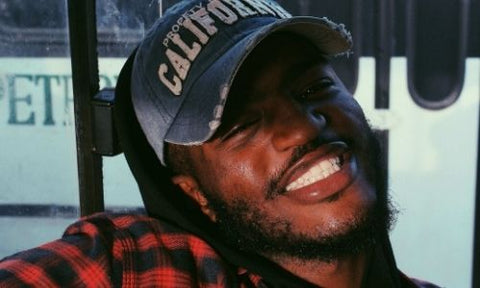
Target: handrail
point(83, 45)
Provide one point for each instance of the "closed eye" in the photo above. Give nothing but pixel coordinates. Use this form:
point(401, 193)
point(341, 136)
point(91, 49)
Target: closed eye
point(319, 86)
point(239, 129)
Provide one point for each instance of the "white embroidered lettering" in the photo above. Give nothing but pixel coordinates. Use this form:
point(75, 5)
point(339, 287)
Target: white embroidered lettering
point(241, 8)
point(260, 6)
point(191, 52)
point(180, 64)
point(170, 35)
point(282, 13)
point(222, 12)
point(175, 86)
point(198, 21)
point(176, 28)
point(180, 21)
point(203, 18)
point(187, 23)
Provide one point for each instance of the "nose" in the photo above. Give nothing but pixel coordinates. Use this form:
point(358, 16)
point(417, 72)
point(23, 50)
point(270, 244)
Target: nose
point(294, 125)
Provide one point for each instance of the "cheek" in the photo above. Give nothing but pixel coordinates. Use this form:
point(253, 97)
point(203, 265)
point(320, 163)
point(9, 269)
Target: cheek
point(343, 113)
point(236, 177)
point(353, 116)
point(251, 177)
point(351, 124)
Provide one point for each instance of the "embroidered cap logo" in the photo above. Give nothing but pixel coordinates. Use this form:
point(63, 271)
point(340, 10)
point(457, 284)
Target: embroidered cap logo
point(194, 29)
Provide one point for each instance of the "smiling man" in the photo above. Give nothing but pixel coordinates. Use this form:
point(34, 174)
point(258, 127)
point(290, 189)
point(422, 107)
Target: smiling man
point(291, 172)
point(256, 165)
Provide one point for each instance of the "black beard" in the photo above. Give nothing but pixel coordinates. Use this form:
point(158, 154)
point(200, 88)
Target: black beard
point(247, 229)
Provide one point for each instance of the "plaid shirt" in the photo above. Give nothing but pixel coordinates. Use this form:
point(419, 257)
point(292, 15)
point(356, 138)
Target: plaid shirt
point(126, 251)
point(123, 251)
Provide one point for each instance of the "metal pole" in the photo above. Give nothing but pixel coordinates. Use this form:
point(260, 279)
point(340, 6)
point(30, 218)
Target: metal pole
point(83, 45)
point(383, 52)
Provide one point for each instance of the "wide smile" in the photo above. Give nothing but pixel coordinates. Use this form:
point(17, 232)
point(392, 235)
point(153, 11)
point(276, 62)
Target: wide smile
point(322, 174)
point(318, 172)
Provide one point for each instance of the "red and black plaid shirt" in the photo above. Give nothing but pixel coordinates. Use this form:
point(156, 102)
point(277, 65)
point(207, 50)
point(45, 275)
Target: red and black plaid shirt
point(127, 251)
point(123, 251)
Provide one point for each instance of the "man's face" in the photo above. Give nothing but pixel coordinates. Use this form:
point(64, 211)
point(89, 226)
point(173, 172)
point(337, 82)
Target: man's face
point(292, 167)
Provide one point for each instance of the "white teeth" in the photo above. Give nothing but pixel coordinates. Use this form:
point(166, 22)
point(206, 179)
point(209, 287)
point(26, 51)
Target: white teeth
point(318, 172)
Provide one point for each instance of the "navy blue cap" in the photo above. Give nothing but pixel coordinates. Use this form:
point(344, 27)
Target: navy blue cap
point(185, 66)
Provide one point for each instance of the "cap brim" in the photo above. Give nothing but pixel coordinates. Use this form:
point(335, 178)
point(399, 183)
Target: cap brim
point(200, 114)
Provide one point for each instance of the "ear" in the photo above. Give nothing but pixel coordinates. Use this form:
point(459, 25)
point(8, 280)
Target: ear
point(190, 186)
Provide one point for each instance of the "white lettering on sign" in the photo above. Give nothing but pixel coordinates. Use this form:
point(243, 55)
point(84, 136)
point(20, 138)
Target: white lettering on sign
point(201, 22)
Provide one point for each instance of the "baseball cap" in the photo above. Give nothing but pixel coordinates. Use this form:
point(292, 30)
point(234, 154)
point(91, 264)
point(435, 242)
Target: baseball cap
point(184, 67)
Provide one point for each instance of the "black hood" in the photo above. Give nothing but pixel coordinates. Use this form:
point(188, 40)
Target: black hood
point(165, 201)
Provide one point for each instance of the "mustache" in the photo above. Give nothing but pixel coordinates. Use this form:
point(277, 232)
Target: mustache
point(273, 189)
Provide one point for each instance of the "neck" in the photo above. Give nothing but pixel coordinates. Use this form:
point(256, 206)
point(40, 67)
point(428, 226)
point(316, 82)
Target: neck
point(339, 273)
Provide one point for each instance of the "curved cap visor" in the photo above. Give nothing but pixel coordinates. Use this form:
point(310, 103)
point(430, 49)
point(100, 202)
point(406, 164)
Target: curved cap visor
point(204, 97)
point(201, 112)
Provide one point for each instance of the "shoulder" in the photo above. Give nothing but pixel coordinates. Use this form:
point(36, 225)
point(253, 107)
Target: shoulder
point(109, 225)
point(141, 233)
point(61, 262)
point(119, 250)
point(159, 249)
point(130, 232)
